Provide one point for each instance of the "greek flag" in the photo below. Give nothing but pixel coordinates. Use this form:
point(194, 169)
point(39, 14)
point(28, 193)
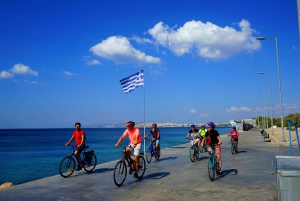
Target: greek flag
point(133, 81)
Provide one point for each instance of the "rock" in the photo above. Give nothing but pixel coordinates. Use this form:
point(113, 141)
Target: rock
point(6, 185)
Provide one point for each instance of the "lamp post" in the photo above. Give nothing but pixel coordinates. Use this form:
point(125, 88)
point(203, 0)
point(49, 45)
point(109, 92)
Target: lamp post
point(270, 83)
point(279, 84)
point(266, 109)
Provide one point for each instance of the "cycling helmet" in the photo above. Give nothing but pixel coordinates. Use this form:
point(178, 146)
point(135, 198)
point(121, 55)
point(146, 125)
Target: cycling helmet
point(211, 124)
point(193, 126)
point(154, 125)
point(234, 127)
point(130, 123)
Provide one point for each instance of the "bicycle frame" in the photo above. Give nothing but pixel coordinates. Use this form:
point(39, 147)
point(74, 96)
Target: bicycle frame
point(124, 158)
point(152, 147)
point(212, 164)
point(82, 154)
point(213, 156)
point(233, 143)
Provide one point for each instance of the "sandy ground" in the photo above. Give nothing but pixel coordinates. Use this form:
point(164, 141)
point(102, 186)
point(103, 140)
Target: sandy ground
point(278, 134)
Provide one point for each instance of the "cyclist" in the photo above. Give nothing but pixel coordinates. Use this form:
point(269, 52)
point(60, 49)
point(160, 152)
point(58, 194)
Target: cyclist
point(135, 144)
point(234, 136)
point(213, 137)
point(194, 133)
point(155, 136)
point(202, 133)
point(79, 136)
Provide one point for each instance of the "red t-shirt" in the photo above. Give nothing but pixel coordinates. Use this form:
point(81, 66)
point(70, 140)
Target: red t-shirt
point(234, 134)
point(78, 137)
point(135, 132)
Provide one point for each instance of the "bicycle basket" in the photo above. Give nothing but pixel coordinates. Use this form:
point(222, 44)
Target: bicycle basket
point(89, 155)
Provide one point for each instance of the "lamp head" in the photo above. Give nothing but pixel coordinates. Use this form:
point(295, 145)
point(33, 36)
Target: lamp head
point(260, 38)
point(261, 73)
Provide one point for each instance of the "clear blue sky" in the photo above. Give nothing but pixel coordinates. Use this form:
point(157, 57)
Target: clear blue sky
point(61, 61)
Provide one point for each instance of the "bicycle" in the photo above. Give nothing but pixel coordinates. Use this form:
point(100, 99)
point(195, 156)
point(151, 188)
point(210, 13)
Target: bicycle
point(151, 151)
point(204, 148)
point(213, 164)
point(194, 154)
point(233, 146)
point(67, 165)
point(120, 171)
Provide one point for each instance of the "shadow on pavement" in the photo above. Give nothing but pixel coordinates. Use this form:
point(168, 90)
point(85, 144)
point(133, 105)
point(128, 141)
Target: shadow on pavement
point(241, 152)
point(227, 172)
point(166, 159)
point(179, 147)
point(103, 170)
point(202, 158)
point(158, 175)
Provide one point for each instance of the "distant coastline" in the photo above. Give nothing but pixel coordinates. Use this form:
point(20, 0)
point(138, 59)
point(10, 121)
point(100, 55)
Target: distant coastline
point(160, 125)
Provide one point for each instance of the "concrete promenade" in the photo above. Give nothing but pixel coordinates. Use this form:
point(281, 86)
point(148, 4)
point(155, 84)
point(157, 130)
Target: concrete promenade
point(246, 176)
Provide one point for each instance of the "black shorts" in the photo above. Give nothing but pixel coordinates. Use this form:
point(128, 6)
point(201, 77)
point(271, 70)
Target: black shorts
point(80, 149)
point(235, 139)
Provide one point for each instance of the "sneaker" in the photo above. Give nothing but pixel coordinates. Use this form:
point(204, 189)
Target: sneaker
point(135, 175)
point(78, 169)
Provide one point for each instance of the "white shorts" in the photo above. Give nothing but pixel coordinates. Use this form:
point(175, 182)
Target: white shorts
point(137, 150)
point(156, 141)
point(193, 142)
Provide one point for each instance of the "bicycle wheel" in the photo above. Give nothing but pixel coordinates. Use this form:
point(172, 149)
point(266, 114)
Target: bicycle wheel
point(157, 156)
point(197, 153)
point(120, 173)
point(149, 155)
point(192, 154)
point(67, 166)
point(90, 162)
point(232, 148)
point(211, 168)
point(142, 167)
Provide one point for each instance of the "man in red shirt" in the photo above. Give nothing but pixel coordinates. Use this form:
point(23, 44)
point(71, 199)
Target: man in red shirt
point(135, 144)
point(79, 136)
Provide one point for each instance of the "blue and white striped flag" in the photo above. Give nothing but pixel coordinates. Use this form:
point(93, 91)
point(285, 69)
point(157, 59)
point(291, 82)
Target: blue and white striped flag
point(133, 81)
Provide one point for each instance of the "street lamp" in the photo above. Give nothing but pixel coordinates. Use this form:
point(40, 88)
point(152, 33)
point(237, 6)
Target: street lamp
point(266, 106)
point(270, 99)
point(279, 84)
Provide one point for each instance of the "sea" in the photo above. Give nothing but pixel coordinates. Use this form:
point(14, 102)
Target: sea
point(31, 154)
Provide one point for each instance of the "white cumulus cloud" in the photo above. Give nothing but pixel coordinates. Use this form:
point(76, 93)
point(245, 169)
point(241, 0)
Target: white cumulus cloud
point(69, 73)
point(193, 111)
point(5, 74)
point(210, 41)
point(23, 70)
point(204, 115)
point(93, 62)
point(241, 109)
point(120, 50)
point(141, 40)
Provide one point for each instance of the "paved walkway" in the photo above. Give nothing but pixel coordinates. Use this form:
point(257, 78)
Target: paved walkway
point(246, 176)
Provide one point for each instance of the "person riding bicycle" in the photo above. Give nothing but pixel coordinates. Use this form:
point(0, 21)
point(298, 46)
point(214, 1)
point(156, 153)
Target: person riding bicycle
point(155, 137)
point(194, 133)
point(135, 144)
point(213, 137)
point(79, 136)
point(202, 133)
point(234, 136)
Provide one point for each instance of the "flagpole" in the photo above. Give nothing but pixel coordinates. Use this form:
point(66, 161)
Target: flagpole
point(144, 111)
